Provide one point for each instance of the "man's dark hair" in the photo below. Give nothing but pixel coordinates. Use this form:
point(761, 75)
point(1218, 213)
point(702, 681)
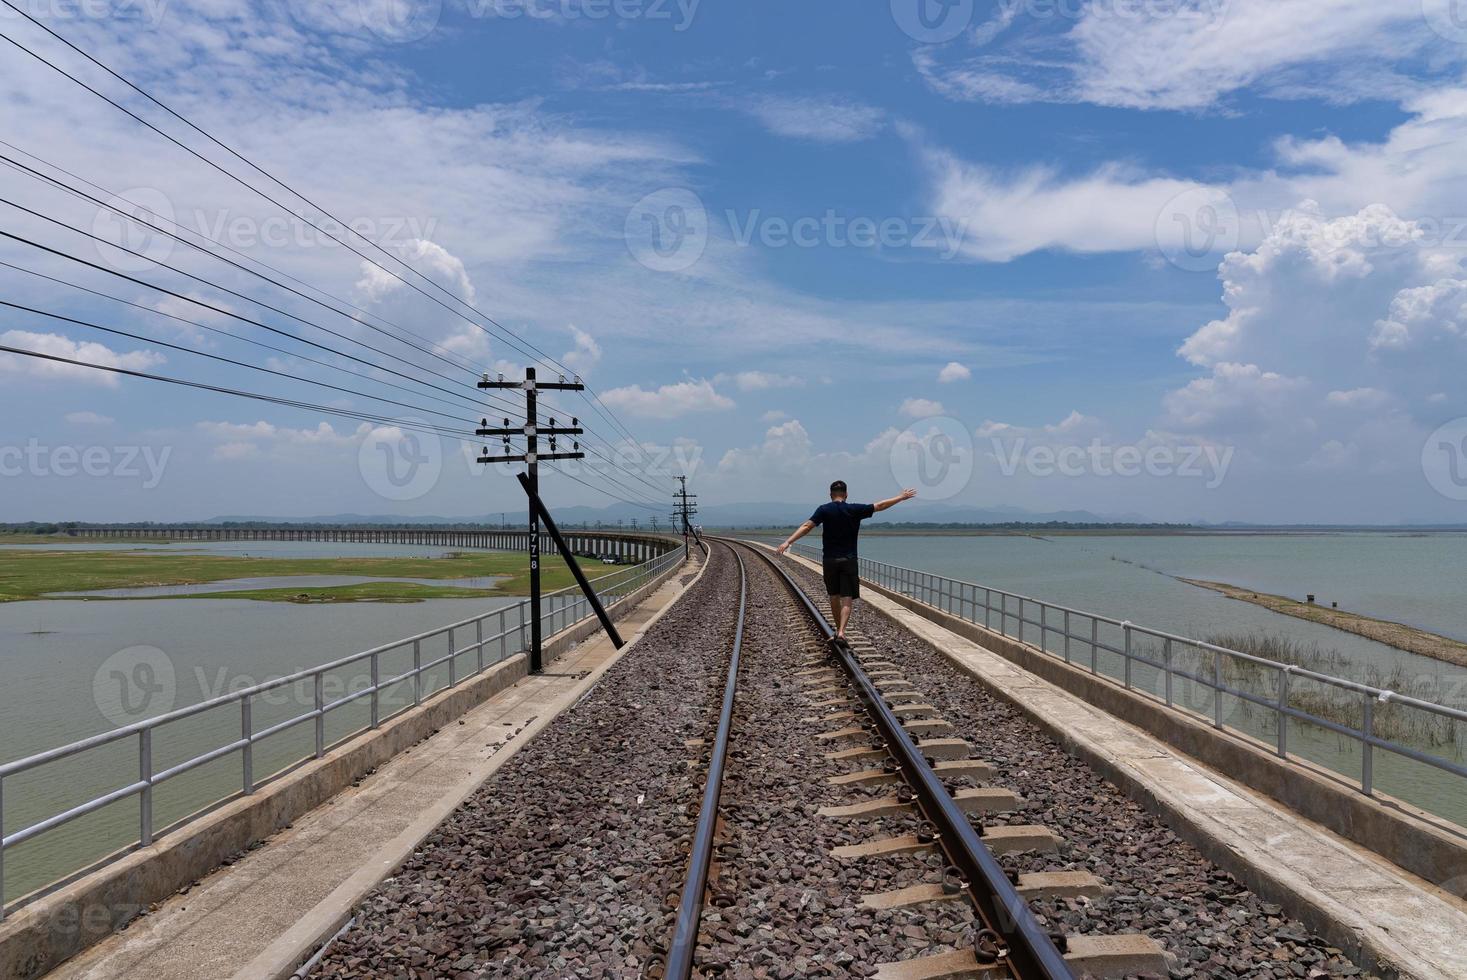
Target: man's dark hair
point(838, 488)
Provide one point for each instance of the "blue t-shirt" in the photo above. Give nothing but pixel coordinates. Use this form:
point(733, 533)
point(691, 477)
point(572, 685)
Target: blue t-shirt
point(842, 523)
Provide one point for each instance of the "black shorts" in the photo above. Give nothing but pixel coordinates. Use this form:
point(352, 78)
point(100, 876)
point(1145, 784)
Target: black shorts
point(843, 577)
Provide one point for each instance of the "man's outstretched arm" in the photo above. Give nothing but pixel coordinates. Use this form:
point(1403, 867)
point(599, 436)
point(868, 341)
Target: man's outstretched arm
point(887, 504)
point(800, 532)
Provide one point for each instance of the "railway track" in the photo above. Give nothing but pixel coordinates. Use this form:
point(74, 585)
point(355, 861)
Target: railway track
point(873, 730)
point(819, 857)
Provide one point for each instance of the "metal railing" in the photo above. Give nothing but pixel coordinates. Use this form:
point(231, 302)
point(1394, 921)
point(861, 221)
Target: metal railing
point(503, 632)
point(1119, 648)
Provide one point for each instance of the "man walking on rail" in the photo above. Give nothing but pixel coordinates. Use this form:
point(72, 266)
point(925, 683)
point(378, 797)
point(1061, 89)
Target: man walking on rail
point(842, 522)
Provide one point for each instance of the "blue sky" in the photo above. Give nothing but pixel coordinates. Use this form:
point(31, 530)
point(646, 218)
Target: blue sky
point(782, 241)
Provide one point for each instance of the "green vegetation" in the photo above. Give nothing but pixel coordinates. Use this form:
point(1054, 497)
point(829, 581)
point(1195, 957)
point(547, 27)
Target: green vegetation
point(1392, 720)
point(1397, 635)
point(362, 592)
point(36, 574)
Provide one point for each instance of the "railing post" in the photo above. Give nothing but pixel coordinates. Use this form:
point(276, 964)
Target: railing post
point(1283, 712)
point(1003, 614)
point(246, 732)
point(320, 698)
point(1367, 751)
point(1127, 628)
point(1067, 636)
point(2, 849)
point(1021, 619)
point(479, 643)
point(1217, 721)
point(1166, 650)
point(145, 798)
point(376, 693)
point(987, 607)
point(1044, 627)
point(417, 672)
point(452, 660)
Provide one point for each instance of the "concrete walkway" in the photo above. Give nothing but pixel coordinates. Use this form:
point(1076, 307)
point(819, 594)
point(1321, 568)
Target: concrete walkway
point(264, 915)
point(1409, 925)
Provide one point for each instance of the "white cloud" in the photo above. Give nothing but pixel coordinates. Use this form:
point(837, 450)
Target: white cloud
point(1236, 398)
point(585, 356)
point(236, 440)
point(788, 453)
point(59, 346)
point(1074, 429)
point(773, 415)
point(822, 119)
point(668, 401)
point(88, 418)
point(954, 372)
point(1005, 215)
point(231, 451)
point(1340, 336)
point(921, 408)
point(1191, 56)
point(760, 380)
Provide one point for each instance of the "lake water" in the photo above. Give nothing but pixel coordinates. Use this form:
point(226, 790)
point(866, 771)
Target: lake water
point(61, 660)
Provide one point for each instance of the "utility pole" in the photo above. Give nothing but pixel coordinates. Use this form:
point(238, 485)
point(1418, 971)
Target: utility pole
point(531, 457)
point(685, 510)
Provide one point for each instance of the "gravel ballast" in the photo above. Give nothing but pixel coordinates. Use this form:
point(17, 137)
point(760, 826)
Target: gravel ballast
point(569, 861)
point(1161, 885)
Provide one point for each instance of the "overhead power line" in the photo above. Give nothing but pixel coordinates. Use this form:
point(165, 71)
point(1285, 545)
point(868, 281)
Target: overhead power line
point(435, 349)
point(116, 332)
point(424, 427)
point(513, 339)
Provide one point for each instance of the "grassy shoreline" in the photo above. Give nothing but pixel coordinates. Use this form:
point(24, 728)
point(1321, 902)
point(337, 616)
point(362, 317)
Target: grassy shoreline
point(36, 575)
point(1398, 635)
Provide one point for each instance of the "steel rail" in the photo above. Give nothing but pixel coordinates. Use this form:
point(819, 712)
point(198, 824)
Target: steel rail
point(1029, 952)
point(690, 909)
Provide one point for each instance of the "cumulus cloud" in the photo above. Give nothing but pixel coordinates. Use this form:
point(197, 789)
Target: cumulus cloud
point(247, 440)
point(57, 345)
point(954, 372)
point(1339, 347)
point(88, 418)
point(788, 452)
point(668, 401)
point(921, 408)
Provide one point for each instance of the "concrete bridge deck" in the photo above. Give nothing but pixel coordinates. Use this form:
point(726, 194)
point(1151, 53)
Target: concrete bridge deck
point(262, 916)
